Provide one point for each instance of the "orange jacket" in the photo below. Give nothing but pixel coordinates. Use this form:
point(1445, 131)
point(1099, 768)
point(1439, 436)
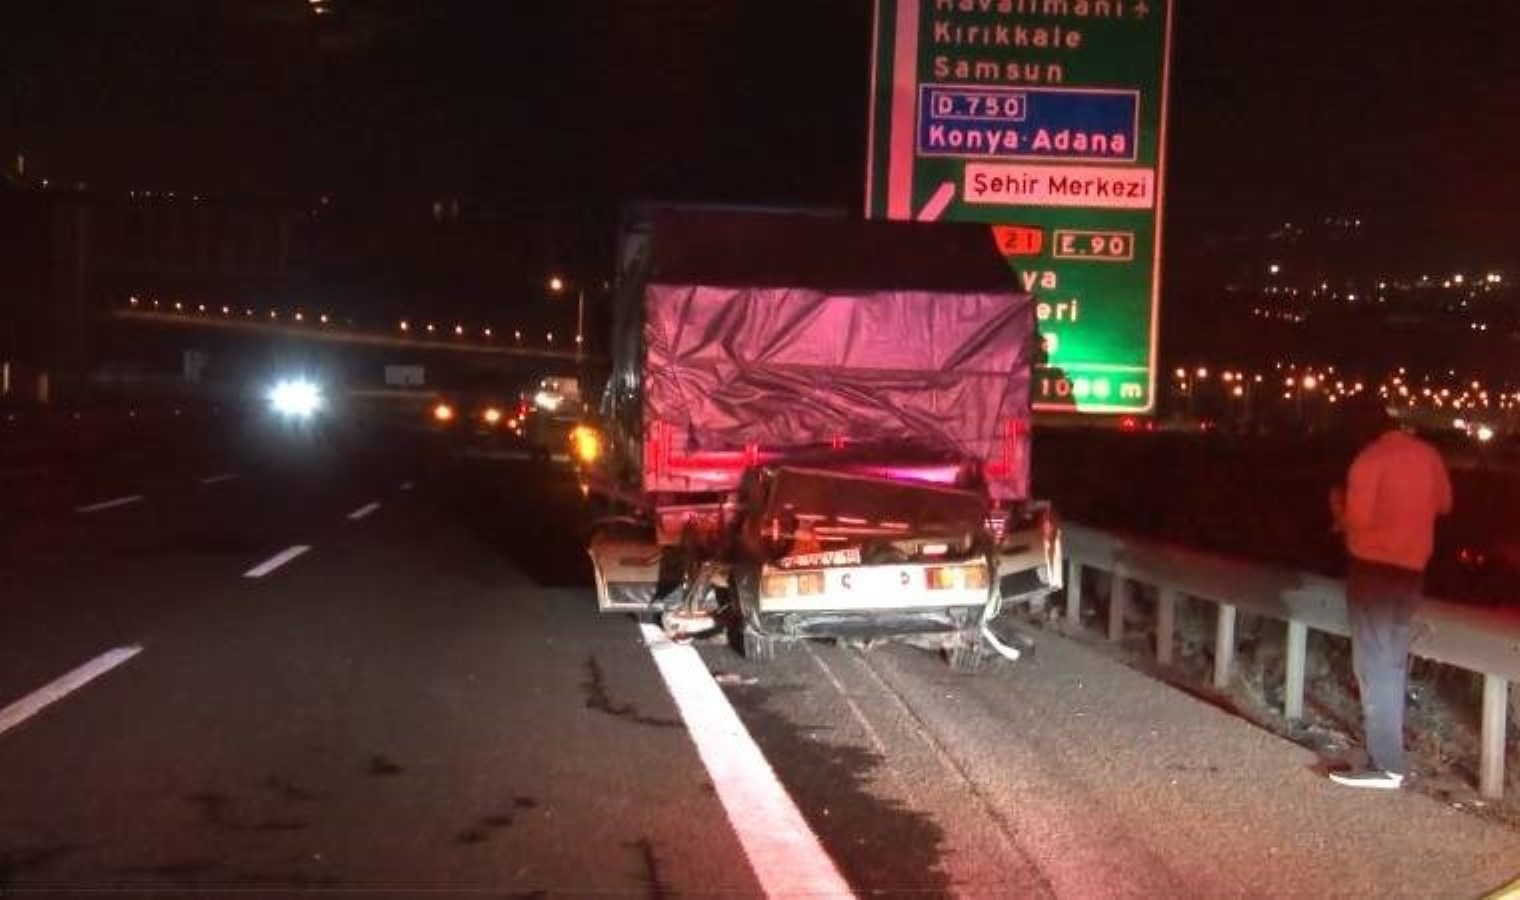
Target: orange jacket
point(1395, 490)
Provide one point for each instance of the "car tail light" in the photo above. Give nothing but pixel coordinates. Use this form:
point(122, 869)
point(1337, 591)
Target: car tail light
point(792, 584)
point(809, 584)
point(956, 578)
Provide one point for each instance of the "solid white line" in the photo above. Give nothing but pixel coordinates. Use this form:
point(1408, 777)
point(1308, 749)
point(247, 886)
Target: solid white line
point(36, 701)
point(783, 851)
point(274, 562)
point(363, 511)
point(217, 479)
point(108, 504)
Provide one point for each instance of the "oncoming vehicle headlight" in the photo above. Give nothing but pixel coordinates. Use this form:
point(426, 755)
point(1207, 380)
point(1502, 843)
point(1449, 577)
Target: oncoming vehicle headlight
point(443, 412)
point(296, 397)
point(492, 415)
point(585, 444)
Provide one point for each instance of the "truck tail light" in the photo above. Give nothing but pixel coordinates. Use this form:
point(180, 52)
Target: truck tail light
point(956, 578)
point(792, 584)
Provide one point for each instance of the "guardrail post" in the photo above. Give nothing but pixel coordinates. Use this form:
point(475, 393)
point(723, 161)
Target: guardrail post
point(1495, 716)
point(1118, 599)
point(1224, 645)
point(1073, 591)
point(1293, 678)
point(1166, 623)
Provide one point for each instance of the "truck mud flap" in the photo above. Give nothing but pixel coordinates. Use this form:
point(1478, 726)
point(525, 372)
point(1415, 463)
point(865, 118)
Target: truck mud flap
point(627, 571)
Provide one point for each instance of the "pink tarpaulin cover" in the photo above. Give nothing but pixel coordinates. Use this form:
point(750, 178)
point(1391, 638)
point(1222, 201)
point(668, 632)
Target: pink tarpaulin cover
point(760, 370)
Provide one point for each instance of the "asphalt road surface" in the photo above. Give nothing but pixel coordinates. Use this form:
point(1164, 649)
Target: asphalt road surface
point(424, 699)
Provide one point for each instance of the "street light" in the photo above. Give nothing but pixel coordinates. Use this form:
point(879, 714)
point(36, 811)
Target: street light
point(557, 286)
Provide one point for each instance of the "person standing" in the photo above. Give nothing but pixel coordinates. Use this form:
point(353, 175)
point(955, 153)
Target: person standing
point(1395, 489)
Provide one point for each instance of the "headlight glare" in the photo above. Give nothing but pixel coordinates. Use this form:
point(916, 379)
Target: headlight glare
point(296, 397)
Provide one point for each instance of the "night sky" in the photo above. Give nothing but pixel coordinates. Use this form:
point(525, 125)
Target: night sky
point(1399, 111)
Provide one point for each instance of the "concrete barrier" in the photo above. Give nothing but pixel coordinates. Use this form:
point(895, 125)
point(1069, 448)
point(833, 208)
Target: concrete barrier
point(1481, 640)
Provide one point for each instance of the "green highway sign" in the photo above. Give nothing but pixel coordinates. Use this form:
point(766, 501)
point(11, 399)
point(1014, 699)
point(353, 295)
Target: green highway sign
point(1047, 120)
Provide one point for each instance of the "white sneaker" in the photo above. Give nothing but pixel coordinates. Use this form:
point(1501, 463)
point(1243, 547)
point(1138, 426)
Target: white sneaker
point(1369, 778)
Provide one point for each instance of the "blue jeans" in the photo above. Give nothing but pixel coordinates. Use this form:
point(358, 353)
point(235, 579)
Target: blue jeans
point(1380, 601)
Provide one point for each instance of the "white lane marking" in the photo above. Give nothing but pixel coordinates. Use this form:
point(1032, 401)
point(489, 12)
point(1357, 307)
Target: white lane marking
point(43, 697)
point(783, 851)
point(274, 562)
point(363, 511)
point(108, 504)
point(217, 479)
point(406, 485)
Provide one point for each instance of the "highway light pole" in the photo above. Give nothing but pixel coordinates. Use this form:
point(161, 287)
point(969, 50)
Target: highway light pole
point(557, 288)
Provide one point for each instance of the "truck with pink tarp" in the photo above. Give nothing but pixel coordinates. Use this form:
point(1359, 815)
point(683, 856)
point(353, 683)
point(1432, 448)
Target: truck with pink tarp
point(819, 428)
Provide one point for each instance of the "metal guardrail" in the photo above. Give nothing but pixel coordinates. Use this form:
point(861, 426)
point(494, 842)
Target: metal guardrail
point(1481, 640)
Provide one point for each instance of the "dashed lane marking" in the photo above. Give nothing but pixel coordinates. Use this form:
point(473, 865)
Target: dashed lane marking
point(218, 479)
point(783, 851)
point(363, 511)
point(274, 562)
point(406, 485)
point(46, 696)
point(109, 504)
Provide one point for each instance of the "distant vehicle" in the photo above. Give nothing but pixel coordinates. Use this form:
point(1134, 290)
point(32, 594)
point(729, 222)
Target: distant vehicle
point(475, 416)
point(551, 414)
point(820, 428)
point(475, 407)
